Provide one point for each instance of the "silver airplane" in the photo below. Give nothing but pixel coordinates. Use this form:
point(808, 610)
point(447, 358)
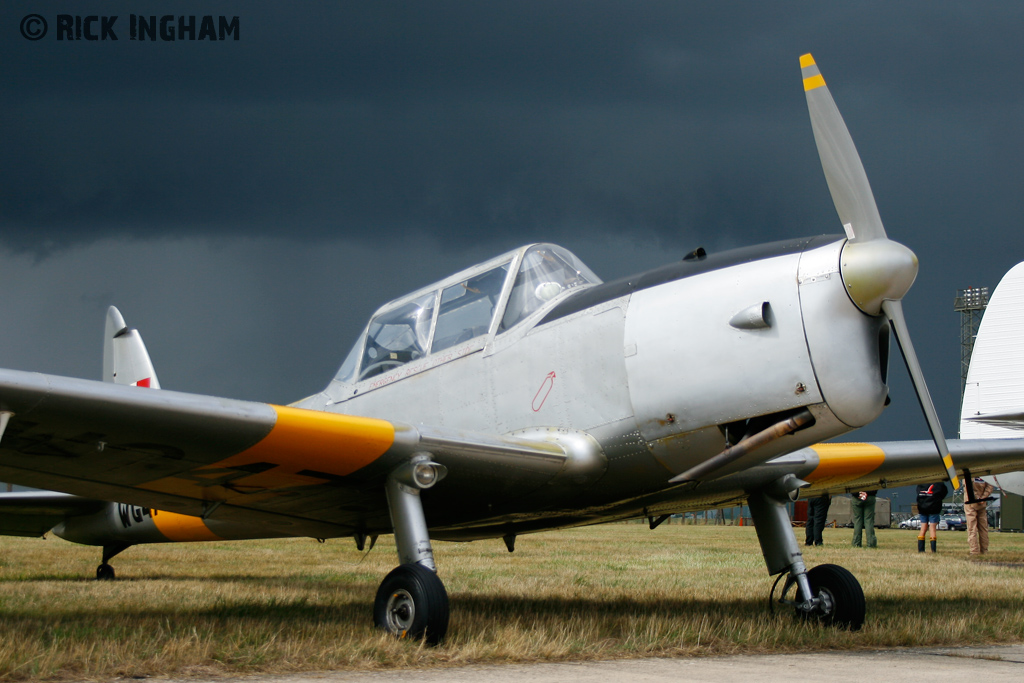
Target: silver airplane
point(520, 395)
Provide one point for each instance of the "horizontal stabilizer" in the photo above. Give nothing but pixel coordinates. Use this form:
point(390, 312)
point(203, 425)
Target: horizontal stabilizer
point(33, 513)
point(1014, 420)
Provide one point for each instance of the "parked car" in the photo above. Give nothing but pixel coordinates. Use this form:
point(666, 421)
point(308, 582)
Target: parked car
point(912, 523)
point(953, 522)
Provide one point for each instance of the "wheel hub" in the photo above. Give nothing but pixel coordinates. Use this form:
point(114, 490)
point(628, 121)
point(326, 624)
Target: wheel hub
point(826, 603)
point(401, 611)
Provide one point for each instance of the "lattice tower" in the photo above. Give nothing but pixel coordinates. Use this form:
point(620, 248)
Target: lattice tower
point(970, 303)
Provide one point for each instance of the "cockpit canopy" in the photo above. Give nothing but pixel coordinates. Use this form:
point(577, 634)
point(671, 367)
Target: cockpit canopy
point(492, 296)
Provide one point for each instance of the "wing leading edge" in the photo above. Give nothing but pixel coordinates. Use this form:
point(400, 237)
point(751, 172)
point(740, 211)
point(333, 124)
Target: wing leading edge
point(301, 471)
point(856, 466)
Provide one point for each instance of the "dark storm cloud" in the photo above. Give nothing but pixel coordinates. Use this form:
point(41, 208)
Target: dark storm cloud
point(338, 154)
point(472, 121)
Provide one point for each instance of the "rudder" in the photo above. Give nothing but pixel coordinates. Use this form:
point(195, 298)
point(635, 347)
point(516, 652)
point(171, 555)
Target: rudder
point(125, 359)
point(993, 404)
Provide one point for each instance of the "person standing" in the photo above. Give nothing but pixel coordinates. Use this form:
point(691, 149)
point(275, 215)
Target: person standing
point(863, 508)
point(977, 516)
point(817, 515)
point(929, 506)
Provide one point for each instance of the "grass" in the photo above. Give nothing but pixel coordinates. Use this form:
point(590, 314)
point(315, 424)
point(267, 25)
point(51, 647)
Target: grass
point(605, 592)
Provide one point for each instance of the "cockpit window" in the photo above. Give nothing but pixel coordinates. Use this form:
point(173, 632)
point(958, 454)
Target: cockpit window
point(398, 336)
point(348, 368)
point(468, 308)
point(546, 272)
point(463, 307)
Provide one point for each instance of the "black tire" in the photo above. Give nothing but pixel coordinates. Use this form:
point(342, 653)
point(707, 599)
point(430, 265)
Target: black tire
point(412, 603)
point(843, 597)
point(104, 572)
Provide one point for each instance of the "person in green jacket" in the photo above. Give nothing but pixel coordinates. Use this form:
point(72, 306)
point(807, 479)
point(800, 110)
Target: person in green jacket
point(863, 509)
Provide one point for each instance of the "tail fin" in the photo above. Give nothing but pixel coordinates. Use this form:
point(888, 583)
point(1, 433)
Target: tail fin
point(125, 359)
point(993, 405)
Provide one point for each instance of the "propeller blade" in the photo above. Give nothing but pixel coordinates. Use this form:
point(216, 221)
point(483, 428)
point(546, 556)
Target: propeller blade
point(844, 171)
point(893, 310)
point(876, 271)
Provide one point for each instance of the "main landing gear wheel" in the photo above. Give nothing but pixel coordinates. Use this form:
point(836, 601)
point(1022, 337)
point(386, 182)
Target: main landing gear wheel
point(842, 599)
point(843, 602)
point(104, 572)
point(412, 603)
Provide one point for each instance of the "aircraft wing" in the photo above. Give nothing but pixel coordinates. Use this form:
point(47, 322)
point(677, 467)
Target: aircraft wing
point(309, 473)
point(860, 466)
point(33, 513)
point(845, 467)
point(300, 472)
point(835, 468)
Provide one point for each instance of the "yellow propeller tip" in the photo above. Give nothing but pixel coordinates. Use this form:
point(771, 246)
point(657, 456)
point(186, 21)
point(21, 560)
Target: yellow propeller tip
point(806, 60)
point(813, 82)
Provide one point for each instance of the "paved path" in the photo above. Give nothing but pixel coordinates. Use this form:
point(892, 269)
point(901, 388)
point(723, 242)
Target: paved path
point(997, 664)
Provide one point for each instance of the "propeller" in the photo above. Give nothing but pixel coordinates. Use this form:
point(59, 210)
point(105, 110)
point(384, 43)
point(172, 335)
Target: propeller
point(876, 271)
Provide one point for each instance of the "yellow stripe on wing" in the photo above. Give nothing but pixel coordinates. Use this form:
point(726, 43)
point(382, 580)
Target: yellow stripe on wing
point(842, 462)
point(314, 440)
point(301, 441)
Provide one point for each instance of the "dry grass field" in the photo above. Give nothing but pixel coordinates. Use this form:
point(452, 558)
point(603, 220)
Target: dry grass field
point(614, 591)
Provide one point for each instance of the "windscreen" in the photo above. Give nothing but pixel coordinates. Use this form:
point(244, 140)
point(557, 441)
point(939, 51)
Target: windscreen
point(398, 336)
point(546, 272)
point(467, 308)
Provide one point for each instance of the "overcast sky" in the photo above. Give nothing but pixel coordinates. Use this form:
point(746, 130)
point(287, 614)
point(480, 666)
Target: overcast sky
point(247, 204)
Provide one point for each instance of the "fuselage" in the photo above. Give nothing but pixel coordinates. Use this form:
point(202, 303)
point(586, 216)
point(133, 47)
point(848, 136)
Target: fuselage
point(636, 380)
point(132, 524)
point(662, 370)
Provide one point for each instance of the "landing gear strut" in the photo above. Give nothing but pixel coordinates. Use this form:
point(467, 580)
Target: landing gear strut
point(411, 601)
point(105, 572)
point(827, 594)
